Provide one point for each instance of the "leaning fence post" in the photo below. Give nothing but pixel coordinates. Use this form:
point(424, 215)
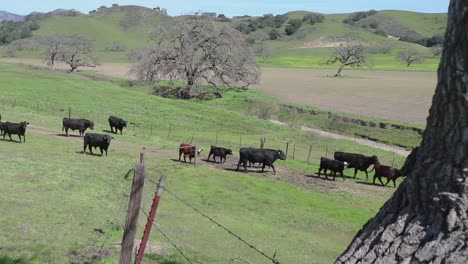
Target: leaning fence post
point(149, 223)
point(308, 156)
point(133, 212)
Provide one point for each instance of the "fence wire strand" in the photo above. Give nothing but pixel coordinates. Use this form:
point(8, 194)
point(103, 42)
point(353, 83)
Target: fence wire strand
point(167, 238)
point(273, 259)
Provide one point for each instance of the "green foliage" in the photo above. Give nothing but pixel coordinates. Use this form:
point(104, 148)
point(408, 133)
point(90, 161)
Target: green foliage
point(293, 26)
point(11, 31)
point(313, 18)
point(354, 17)
point(274, 34)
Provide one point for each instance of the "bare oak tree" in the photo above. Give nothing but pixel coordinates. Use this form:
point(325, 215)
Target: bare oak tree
point(264, 52)
point(348, 55)
point(198, 50)
point(74, 50)
point(410, 56)
point(426, 220)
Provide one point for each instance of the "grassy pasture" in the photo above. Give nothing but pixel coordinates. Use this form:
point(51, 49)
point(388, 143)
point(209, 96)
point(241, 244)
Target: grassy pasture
point(55, 198)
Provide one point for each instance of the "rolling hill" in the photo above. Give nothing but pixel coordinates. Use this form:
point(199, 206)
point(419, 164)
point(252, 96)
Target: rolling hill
point(308, 47)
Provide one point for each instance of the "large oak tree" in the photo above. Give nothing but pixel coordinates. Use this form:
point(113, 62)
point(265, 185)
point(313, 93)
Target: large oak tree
point(196, 49)
point(426, 220)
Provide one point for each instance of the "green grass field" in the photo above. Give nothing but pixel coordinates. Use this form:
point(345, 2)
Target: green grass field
point(59, 203)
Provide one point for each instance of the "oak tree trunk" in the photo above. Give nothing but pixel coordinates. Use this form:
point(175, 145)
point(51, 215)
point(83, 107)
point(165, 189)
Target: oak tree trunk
point(338, 74)
point(426, 220)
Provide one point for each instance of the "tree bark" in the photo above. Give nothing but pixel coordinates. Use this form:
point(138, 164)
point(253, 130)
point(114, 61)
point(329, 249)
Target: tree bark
point(338, 74)
point(426, 220)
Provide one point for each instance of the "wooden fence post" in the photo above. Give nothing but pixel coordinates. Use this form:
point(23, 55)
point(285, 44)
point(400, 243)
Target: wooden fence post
point(216, 143)
point(308, 156)
point(326, 152)
point(294, 150)
point(69, 112)
point(287, 147)
point(149, 223)
point(240, 141)
point(133, 212)
point(169, 132)
point(196, 155)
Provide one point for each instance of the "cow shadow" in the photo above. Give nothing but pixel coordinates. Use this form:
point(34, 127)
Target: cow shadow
point(11, 141)
point(90, 154)
point(110, 132)
point(322, 177)
point(69, 135)
point(181, 161)
point(241, 169)
point(377, 184)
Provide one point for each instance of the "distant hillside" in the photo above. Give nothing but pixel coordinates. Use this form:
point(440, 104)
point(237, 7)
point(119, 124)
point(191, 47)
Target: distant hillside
point(128, 25)
point(296, 39)
point(10, 17)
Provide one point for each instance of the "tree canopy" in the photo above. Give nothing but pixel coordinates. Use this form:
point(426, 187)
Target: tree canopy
point(197, 50)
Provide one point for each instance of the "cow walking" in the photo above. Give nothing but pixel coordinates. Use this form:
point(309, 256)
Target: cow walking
point(101, 141)
point(219, 152)
point(332, 165)
point(117, 123)
point(188, 150)
point(76, 124)
point(264, 156)
point(386, 171)
point(356, 161)
point(15, 129)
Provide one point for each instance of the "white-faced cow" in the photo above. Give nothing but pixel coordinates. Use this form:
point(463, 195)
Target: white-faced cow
point(117, 123)
point(74, 124)
point(264, 156)
point(188, 150)
point(93, 140)
point(15, 129)
point(356, 161)
point(332, 165)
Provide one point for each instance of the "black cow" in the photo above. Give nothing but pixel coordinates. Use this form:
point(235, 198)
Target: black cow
point(97, 141)
point(219, 152)
point(332, 165)
point(117, 123)
point(15, 129)
point(264, 156)
point(74, 124)
point(386, 171)
point(356, 161)
point(2, 128)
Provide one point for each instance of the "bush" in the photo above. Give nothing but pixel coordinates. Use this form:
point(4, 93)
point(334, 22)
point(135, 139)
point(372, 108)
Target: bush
point(313, 18)
point(293, 26)
point(274, 34)
point(354, 17)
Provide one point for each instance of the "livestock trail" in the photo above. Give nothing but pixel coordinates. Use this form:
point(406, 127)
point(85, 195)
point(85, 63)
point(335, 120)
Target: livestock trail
point(365, 142)
point(305, 179)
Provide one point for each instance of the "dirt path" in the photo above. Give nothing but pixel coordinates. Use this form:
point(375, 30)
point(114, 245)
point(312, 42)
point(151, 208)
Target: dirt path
point(366, 142)
point(304, 179)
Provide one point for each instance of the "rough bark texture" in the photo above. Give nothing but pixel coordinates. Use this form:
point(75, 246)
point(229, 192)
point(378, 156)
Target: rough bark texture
point(426, 219)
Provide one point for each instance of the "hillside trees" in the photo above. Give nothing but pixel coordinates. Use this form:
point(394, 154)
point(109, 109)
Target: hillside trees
point(410, 56)
point(293, 26)
point(197, 50)
point(426, 220)
point(74, 50)
point(348, 55)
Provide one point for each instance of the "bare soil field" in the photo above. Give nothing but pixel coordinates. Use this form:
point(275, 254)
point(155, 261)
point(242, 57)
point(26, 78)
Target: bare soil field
point(393, 95)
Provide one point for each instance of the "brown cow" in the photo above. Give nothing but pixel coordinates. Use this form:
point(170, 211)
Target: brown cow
point(386, 171)
point(188, 150)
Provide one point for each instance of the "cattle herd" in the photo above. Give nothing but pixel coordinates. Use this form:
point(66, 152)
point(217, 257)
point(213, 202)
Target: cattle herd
point(265, 157)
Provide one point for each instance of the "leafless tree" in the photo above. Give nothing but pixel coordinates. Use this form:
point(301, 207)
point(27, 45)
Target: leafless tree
point(77, 51)
point(264, 52)
point(426, 220)
point(410, 56)
point(196, 49)
point(436, 50)
point(74, 50)
point(52, 48)
point(348, 55)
